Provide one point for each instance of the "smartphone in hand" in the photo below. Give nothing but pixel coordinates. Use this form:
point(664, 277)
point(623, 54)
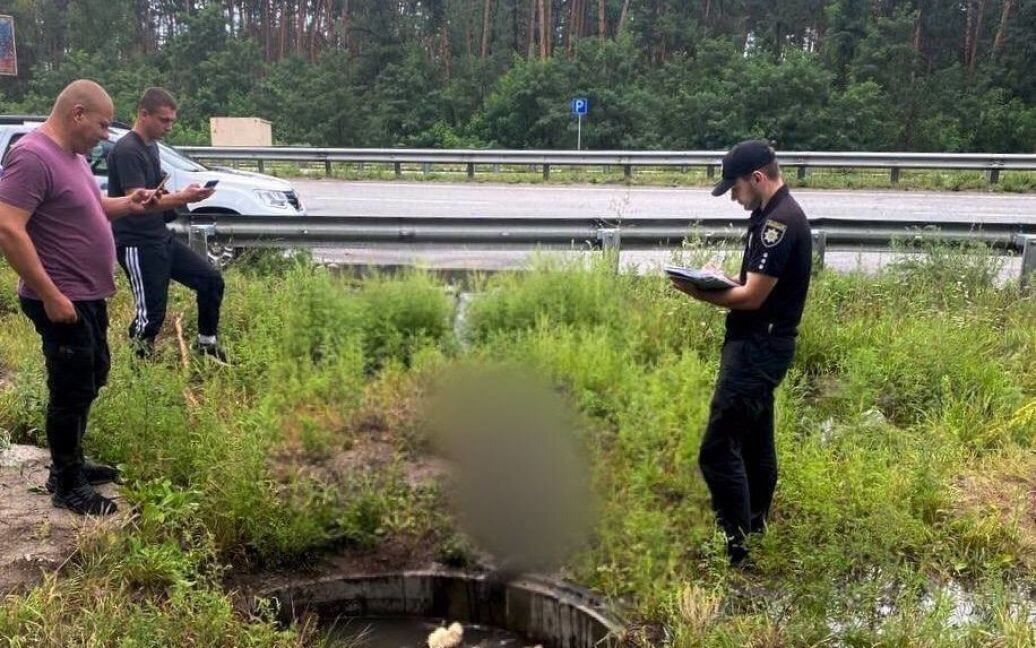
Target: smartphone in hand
point(211, 184)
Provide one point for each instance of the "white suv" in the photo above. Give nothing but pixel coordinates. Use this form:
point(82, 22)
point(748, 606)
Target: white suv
point(238, 192)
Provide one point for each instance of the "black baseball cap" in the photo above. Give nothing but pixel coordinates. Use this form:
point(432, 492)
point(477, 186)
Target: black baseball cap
point(744, 158)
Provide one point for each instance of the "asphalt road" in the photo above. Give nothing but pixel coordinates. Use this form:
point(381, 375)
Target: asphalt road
point(340, 198)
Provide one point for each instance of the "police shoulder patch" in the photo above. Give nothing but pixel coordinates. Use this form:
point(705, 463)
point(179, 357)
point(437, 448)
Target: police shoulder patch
point(773, 233)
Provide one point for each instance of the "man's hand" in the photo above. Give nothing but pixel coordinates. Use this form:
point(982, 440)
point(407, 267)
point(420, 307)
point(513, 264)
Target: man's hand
point(60, 310)
point(141, 200)
point(196, 193)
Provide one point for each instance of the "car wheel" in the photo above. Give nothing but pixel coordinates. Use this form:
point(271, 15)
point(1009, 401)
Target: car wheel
point(220, 255)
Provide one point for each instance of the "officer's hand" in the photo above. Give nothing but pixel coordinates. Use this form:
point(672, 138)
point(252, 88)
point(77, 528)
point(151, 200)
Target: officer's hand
point(685, 287)
point(196, 193)
point(718, 269)
point(60, 310)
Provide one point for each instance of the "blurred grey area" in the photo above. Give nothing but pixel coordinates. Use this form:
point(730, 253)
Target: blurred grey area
point(520, 479)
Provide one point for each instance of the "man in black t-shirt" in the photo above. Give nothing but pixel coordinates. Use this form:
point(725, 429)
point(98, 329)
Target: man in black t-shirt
point(147, 251)
point(738, 458)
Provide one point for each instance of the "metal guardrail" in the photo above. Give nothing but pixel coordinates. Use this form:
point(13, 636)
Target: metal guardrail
point(991, 163)
point(587, 234)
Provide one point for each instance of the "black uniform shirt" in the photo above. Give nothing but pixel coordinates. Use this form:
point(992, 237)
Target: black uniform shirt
point(779, 244)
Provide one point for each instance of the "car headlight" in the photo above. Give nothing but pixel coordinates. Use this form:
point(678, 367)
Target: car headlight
point(276, 199)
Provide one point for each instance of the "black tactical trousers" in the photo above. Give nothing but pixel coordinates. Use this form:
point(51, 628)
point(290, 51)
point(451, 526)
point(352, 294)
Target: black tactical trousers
point(78, 361)
point(737, 457)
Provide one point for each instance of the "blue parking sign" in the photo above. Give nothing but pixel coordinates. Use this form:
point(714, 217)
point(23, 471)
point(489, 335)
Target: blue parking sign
point(580, 106)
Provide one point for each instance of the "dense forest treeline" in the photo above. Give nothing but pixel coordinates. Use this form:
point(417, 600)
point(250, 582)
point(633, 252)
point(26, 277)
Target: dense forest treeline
point(943, 75)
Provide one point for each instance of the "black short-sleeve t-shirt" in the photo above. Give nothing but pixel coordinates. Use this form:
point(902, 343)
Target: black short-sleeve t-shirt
point(132, 164)
point(779, 244)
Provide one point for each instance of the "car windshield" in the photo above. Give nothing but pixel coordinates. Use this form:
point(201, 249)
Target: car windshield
point(169, 155)
point(178, 160)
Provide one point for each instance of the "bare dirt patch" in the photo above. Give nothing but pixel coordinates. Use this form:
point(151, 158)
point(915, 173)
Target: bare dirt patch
point(1007, 491)
point(35, 537)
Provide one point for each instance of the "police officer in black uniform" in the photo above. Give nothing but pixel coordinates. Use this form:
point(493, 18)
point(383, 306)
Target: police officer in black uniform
point(737, 457)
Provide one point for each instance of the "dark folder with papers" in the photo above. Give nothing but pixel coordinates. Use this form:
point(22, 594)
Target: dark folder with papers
point(701, 279)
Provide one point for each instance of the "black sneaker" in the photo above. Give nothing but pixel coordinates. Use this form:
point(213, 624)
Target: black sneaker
point(144, 349)
point(213, 351)
point(80, 497)
point(95, 474)
point(738, 554)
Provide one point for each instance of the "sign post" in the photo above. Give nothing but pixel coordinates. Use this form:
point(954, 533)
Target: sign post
point(580, 106)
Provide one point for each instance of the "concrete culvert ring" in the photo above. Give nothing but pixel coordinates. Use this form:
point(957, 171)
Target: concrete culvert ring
point(540, 610)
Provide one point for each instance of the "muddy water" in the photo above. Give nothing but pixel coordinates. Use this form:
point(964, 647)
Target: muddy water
point(413, 633)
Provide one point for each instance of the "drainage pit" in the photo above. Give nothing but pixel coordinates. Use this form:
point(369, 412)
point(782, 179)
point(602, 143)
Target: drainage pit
point(401, 610)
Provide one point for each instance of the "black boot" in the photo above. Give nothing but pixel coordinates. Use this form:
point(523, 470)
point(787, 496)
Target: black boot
point(94, 473)
point(76, 494)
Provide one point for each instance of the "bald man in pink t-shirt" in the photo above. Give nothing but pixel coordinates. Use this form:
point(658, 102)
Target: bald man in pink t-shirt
point(55, 230)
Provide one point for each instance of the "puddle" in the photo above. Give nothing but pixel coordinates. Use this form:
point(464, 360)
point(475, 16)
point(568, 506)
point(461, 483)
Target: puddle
point(460, 321)
point(952, 602)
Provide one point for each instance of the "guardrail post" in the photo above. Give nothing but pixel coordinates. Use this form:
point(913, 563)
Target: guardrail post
point(398, 167)
point(262, 166)
point(327, 168)
point(894, 175)
point(803, 171)
point(359, 167)
point(496, 168)
point(819, 247)
point(1028, 259)
point(546, 172)
point(627, 171)
point(198, 237)
point(425, 168)
point(710, 171)
point(993, 175)
point(471, 170)
point(611, 243)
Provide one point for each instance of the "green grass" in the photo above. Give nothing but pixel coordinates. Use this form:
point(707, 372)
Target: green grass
point(904, 383)
point(823, 178)
point(905, 434)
